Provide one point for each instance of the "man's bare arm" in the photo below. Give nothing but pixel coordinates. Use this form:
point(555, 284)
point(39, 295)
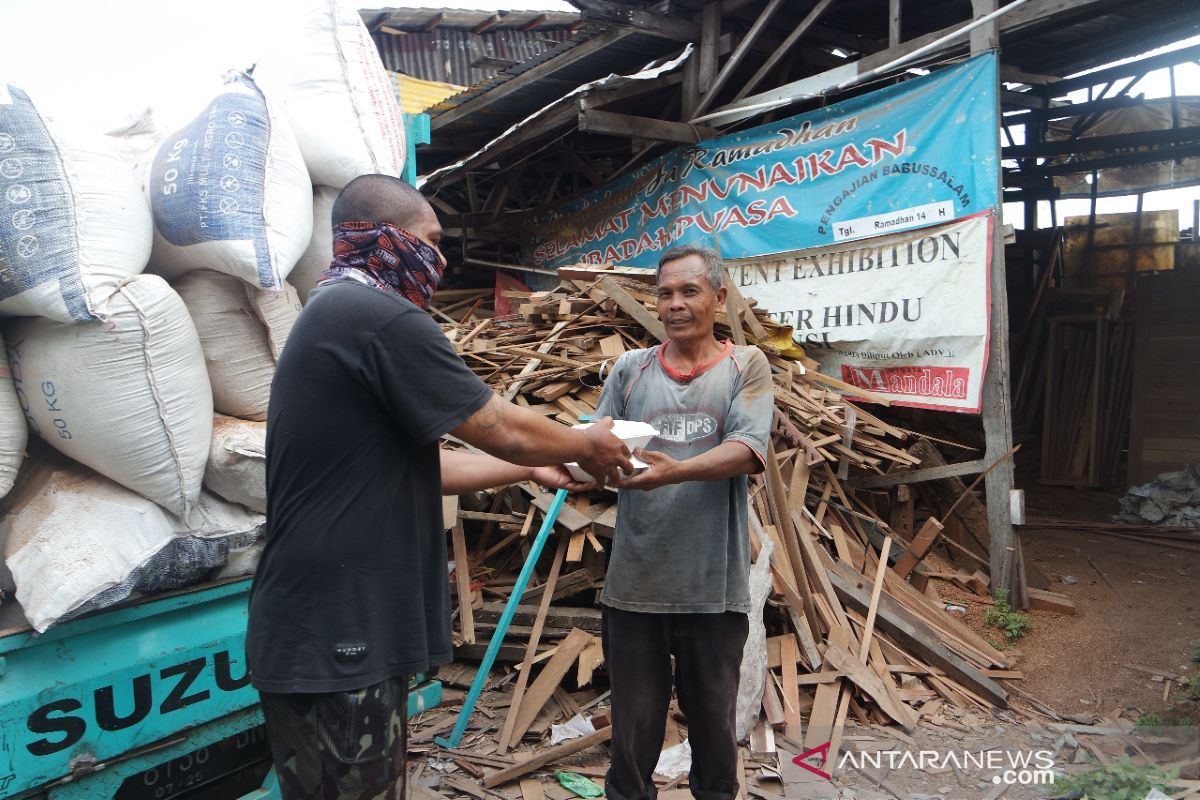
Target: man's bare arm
point(470, 472)
point(723, 461)
point(520, 436)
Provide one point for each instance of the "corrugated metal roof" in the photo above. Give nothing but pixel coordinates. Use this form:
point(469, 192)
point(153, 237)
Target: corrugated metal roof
point(447, 55)
point(419, 18)
point(416, 95)
point(623, 56)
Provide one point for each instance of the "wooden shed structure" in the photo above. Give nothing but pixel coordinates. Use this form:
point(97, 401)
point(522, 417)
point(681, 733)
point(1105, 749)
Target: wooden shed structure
point(633, 80)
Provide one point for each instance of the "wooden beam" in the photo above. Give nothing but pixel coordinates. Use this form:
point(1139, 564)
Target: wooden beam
point(548, 756)
point(907, 476)
point(535, 22)
point(1110, 162)
point(547, 681)
point(1120, 141)
point(1009, 98)
point(1122, 71)
point(1068, 110)
point(997, 394)
point(739, 53)
point(784, 48)
point(489, 23)
point(641, 21)
point(614, 124)
point(582, 166)
point(710, 34)
point(1041, 600)
point(911, 633)
point(1031, 13)
point(918, 547)
point(558, 617)
point(531, 648)
point(602, 97)
point(538, 73)
point(862, 677)
point(633, 308)
point(433, 22)
point(462, 582)
point(893, 23)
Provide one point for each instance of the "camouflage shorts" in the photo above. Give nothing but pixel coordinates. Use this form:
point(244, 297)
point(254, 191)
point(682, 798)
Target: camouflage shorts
point(340, 745)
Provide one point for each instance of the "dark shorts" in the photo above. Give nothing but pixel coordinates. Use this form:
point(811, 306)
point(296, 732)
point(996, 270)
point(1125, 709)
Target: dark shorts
point(340, 745)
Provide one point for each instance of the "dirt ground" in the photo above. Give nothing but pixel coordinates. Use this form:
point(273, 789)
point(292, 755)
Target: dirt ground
point(1146, 613)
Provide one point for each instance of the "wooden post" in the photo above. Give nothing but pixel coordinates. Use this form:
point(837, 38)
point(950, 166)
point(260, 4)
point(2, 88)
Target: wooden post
point(710, 35)
point(893, 23)
point(997, 409)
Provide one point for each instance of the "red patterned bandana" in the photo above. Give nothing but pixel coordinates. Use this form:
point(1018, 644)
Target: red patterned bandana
point(389, 258)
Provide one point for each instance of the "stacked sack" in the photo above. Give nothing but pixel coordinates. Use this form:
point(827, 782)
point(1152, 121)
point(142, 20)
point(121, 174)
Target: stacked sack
point(148, 284)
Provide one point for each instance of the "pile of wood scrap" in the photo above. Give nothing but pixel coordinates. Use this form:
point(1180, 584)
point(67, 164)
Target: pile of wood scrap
point(854, 626)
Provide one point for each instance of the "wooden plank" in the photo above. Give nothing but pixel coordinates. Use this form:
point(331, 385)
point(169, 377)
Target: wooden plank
point(548, 756)
point(777, 500)
point(462, 582)
point(912, 634)
point(568, 516)
point(772, 706)
point(535, 637)
point(825, 706)
point(533, 363)
point(863, 677)
point(558, 617)
point(633, 308)
point(548, 679)
point(876, 591)
point(531, 789)
point(918, 548)
point(575, 548)
point(1042, 600)
point(791, 690)
point(909, 476)
point(903, 511)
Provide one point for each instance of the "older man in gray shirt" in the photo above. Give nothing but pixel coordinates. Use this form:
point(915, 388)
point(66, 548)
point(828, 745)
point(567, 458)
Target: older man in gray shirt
point(678, 580)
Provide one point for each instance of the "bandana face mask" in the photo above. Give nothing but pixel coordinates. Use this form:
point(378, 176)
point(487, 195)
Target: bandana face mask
point(389, 258)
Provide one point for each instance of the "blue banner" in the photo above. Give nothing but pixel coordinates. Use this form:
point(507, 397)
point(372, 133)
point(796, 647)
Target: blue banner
point(918, 153)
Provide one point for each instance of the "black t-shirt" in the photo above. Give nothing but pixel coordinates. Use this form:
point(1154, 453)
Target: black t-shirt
point(352, 587)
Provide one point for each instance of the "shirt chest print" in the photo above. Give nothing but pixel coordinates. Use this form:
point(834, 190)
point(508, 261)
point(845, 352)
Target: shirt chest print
point(683, 427)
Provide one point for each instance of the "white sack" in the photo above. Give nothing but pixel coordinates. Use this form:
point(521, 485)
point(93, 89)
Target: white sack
point(129, 398)
point(13, 430)
point(73, 222)
point(237, 462)
point(320, 247)
point(136, 139)
point(229, 191)
point(753, 672)
point(241, 561)
point(338, 96)
point(78, 542)
point(237, 352)
point(278, 311)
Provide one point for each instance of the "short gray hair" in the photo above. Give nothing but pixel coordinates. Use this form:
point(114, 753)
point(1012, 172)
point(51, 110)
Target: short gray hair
point(716, 269)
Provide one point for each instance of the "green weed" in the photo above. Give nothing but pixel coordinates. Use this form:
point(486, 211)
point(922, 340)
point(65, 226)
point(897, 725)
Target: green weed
point(1002, 616)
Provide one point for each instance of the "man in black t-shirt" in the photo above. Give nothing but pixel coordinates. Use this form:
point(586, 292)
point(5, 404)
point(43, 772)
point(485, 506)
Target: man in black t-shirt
point(351, 595)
